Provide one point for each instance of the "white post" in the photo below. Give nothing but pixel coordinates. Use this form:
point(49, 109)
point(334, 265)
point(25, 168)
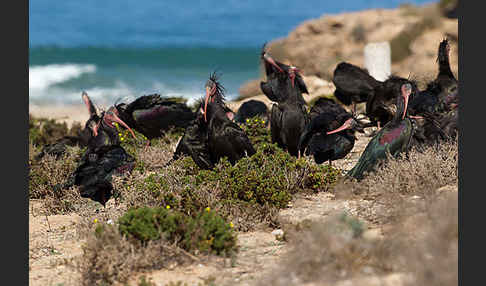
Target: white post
point(377, 58)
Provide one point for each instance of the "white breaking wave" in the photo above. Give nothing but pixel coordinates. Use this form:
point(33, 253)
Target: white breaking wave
point(42, 77)
point(43, 88)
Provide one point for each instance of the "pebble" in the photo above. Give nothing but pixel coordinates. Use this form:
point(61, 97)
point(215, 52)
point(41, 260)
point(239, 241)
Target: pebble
point(278, 233)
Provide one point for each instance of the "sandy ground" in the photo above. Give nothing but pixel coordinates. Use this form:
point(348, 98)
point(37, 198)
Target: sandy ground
point(63, 113)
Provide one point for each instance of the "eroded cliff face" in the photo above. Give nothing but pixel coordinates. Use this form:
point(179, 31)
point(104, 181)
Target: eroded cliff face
point(316, 46)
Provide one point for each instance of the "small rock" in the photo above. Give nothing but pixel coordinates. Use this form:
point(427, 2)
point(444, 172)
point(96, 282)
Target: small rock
point(278, 233)
point(109, 221)
point(372, 234)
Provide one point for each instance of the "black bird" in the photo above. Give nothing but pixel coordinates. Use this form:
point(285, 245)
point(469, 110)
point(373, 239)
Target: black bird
point(435, 127)
point(380, 106)
point(441, 93)
point(392, 139)
point(330, 134)
point(213, 134)
point(103, 158)
point(153, 115)
point(194, 142)
point(225, 137)
point(58, 148)
point(289, 116)
point(353, 84)
point(251, 108)
point(356, 85)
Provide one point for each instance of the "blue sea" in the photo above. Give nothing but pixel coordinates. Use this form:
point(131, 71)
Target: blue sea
point(124, 49)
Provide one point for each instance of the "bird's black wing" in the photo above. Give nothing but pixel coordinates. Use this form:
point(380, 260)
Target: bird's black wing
point(276, 124)
point(268, 91)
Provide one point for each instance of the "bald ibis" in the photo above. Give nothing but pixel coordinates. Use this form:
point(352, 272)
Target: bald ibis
point(380, 106)
point(330, 134)
point(225, 137)
point(103, 158)
point(213, 134)
point(442, 92)
point(251, 108)
point(289, 116)
point(58, 148)
point(153, 115)
point(392, 139)
point(353, 84)
point(194, 142)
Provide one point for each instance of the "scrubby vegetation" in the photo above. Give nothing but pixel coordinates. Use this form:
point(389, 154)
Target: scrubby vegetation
point(206, 232)
point(152, 238)
point(420, 250)
point(165, 216)
point(178, 211)
point(416, 199)
point(421, 175)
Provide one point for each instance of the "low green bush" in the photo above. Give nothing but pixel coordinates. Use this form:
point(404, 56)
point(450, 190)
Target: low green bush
point(206, 232)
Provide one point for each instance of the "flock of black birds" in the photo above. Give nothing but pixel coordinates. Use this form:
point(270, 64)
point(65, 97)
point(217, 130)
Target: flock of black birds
point(405, 117)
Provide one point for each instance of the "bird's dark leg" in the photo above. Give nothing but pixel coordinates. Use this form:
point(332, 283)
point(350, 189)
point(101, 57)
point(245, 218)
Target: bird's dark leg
point(298, 154)
point(330, 163)
point(354, 107)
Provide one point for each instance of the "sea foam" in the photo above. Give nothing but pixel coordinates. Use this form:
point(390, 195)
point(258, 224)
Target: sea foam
point(42, 77)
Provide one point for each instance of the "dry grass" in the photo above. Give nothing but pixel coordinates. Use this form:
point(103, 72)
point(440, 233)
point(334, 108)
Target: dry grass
point(331, 252)
point(420, 175)
point(109, 257)
point(419, 221)
point(48, 172)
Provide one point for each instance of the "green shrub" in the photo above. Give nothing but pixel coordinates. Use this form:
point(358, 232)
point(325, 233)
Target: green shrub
point(205, 232)
point(256, 130)
point(248, 193)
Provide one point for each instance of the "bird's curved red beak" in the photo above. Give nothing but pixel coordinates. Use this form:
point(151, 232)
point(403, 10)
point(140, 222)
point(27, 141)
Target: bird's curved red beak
point(88, 103)
point(209, 93)
point(271, 61)
point(95, 129)
point(111, 116)
point(346, 125)
point(406, 91)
